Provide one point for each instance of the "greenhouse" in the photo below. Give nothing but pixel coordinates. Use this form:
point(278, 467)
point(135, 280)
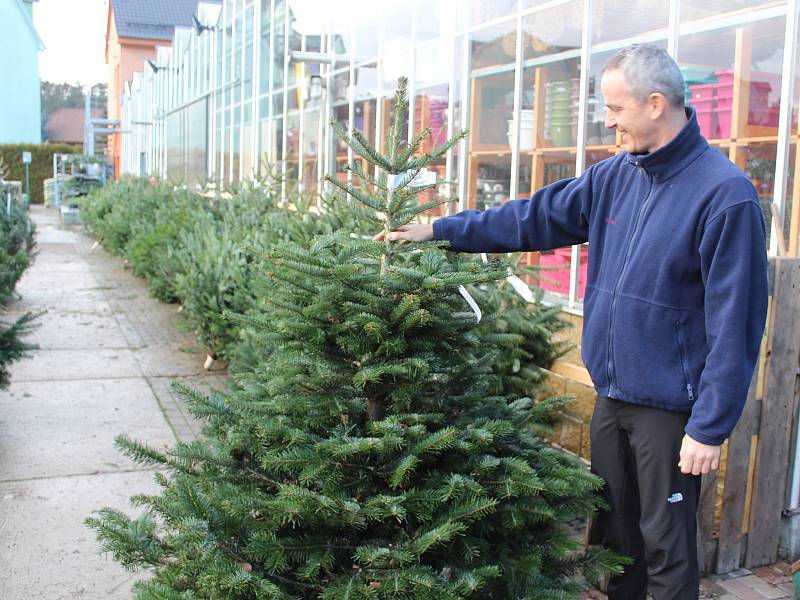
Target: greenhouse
point(251, 89)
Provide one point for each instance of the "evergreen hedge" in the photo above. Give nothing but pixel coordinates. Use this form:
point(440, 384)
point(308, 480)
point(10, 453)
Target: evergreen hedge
point(41, 167)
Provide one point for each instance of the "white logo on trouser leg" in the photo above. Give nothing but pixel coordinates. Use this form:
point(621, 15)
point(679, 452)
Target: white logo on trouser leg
point(676, 497)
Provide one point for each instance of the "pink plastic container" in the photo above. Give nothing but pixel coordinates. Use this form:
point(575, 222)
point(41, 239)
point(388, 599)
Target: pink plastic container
point(725, 102)
point(724, 122)
point(703, 105)
point(702, 91)
point(709, 123)
point(724, 76)
point(766, 117)
point(561, 258)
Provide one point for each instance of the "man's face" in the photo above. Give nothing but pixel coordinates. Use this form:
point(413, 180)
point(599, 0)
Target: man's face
point(632, 117)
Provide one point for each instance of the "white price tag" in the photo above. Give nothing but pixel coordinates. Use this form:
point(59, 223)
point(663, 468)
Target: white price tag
point(520, 287)
point(423, 178)
point(471, 301)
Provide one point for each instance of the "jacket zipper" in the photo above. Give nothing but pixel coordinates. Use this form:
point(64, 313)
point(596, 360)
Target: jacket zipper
point(610, 366)
point(689, 390)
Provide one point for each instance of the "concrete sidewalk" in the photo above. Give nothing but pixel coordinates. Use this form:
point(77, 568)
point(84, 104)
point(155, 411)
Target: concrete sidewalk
point(107, 354)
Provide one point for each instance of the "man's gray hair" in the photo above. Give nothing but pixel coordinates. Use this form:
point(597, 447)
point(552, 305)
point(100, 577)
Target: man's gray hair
point(647, 69)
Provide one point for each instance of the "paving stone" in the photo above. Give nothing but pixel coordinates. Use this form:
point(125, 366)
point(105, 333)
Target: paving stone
point(158, 361)
point(710, 588)
point(48, 553)
point(774, 574)
point(48, 365)
point(184, 425)
point(41, 300)
point(51, 428)
point(766, 589)
point(53, 235)
point(66, 329)
point(743, 591)
point(56, 280)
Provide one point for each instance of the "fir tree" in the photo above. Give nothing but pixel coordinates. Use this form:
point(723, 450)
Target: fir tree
point(16, 249)
point(369, 456)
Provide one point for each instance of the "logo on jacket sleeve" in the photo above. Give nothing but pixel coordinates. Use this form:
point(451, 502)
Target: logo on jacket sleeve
point(611, 221)
point(676, 497)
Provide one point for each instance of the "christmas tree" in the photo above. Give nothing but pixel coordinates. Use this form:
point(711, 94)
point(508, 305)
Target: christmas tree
point(369, 456)
point(16, 249)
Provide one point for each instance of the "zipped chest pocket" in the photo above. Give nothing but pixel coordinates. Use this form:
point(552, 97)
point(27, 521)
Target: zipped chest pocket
point(683, 357)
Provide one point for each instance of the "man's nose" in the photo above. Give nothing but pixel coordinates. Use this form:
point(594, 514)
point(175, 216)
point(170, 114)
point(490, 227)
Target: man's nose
point(610, 123)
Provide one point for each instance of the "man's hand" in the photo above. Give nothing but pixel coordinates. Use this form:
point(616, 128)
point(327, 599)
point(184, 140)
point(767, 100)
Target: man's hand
point(413, 232)
point(697, 458)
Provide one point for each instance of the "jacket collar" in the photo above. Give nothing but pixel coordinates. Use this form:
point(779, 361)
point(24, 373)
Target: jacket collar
point(669, 160)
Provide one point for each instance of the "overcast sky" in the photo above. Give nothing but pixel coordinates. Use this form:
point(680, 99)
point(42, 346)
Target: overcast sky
point(74, 34)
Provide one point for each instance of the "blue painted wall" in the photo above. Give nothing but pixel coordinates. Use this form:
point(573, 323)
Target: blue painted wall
point(20, 100)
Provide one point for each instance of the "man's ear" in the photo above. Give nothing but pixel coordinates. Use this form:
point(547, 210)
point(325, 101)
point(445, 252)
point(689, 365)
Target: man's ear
point(657, 102)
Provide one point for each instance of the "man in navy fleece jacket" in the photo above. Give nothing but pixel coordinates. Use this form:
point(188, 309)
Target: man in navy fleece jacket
point(674, 311)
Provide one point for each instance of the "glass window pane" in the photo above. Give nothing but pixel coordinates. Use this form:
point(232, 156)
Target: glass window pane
point(396, 27)
point(691, 10)
point(197, 141)
point(235, 155)
point(248, 72)
point(492, 91)
point(395, 67)
point(365, 32)
point(494, 46)
point(435, 18)
point(482, 11)
point(430, 111)
point(175, 171)
point(247, 153)
point(549, 166)
point(276, 140)
point(366, 81)
point(264, 49)
point(549, 102)
point(311, 123)
point(620, 19)
point(714, 82)
point(757, 160)
point(292, 145)
point(341, 112)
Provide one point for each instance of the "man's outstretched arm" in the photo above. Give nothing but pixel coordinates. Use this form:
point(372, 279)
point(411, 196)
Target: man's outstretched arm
point(555, 216)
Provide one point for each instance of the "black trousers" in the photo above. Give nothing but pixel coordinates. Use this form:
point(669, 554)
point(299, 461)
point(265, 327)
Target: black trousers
point(653, 520)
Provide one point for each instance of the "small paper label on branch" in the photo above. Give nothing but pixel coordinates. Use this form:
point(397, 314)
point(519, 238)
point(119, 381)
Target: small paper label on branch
point(423, 178)
point(520, 287)
point(471, 301)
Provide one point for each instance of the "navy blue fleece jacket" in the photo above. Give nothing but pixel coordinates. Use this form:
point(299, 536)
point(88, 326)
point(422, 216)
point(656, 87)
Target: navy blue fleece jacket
point(676, 296)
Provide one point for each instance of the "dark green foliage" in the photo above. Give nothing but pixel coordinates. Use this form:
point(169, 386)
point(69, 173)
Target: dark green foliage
point(372, 453)
point(16, 247)
point(523, 332)
point(41, 166)
point(143, 222)
point(154, 243)
point(16, 252)
point(12, 348)
point(214, 268)
point(77, 186)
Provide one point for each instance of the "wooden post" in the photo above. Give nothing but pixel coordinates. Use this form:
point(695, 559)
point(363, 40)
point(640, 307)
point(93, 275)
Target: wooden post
point(794, 225)
point(778, 410)
point(539, 98)
point(733, 519)
point(706, 544)
point(741, 83)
